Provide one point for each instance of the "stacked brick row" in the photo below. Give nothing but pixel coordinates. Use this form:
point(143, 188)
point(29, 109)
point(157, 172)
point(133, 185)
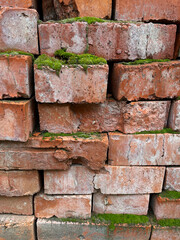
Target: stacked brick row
point(111, 171)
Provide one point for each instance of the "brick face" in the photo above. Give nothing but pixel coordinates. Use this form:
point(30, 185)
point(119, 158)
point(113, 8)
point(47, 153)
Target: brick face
point(19, 3)
point(174, 118)
point(172, 179)
point(159, 233)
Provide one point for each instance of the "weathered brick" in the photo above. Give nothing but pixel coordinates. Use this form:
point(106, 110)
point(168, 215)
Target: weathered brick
point(129, 180)
point(17, 227)
point(160, 233)
point(82, 117)
point(144, 149)
point(16, 119)
point(72, 85)
point(54, 154)
point(177, 43)
point(18, 30)
point(145, 116)
point(55, 229)
point(147, 81)
point(63, 206)
point(138, 10)
point(76, 180)
point(121, 204)
point(174, 117)
point(53, 36)
point(16, 205)
point(172, 179)
point(19, 3)
point(165, 208)
point(16, 76)
point(19, 183)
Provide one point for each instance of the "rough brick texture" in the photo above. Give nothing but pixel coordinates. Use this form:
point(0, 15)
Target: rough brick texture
point(138, 10)
point(19, 183)
point(76, 180)
point(113, 41)
point(58, 154)
point(19, 3)
point(72, 84)
point(165, 208)
point(17, 119)
point(174, 118)
point(129, 180)
point(121, 204)
point(149, 81)
point(16, 76)
point(159, 233)
point(18, 30)
point(17, 227)
point(16, 205)
point(144, 149)
point(172, 179)
point(63, 206)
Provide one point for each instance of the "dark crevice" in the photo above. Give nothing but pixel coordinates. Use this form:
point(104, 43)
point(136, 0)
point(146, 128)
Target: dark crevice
point(113, 9)
point(35, 230)
point(39, 9)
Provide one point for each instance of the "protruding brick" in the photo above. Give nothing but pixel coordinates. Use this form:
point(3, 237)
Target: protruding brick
point(19, 3)
point(76, 180)
point(121, 204)
point(165, 208)
point(18, 30)
point(17, 119)
point(145, 116)
point(63, 206)
point(129, 180)
point(53, 36)
point(147, 81)
point(17, 227)
point(174, 118)
point(19, 183)
point(16, 205)
point(172, 179)
point(40, 153)
point(72, 85)
point(16, 76)
point(160, 233)
point(138, 10)
point(82, 117)
point(144, 149)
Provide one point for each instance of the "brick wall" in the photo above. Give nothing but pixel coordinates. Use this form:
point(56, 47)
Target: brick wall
point(89, 119)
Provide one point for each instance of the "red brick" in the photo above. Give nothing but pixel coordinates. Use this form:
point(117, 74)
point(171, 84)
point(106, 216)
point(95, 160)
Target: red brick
point(144, 149)
point(165, 208)
point(16, 76)
point(17, 227)
point(16, 119)
point(19, 183)
point(120, 41)
point(177, 43)
point(172, 179)
point(76, 180)
point(145, 116)
point(160, 233)
point(72, 84)
point(18, 30)
point(129, 180)
point(121, 204)
point(81, 117)
point(63, 206)
point(53, 36)
point(149, 81)
point(54, 154)
point(16, 205)
point(19, 3)
point(138, 10)
point(174, 117)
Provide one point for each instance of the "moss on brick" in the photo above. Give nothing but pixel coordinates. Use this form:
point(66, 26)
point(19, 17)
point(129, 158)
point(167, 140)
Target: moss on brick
point(145, 61)
point(16, 53)
point(170, 194)
point(165, 130)
point(169, 222)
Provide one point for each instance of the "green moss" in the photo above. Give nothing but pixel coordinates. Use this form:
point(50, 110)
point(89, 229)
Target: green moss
point(178, 98)
point(89, 20)
point(169, 222)
point(170, 194)
point(145, 61)
point(15, 53)
point(46, 61)
point(165, 130)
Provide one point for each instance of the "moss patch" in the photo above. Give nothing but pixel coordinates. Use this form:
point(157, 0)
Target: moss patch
point(178, 98)
point(169, 222)
point(165, 130)
point(145, 61)
point(15, 53)
point(170, 194)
